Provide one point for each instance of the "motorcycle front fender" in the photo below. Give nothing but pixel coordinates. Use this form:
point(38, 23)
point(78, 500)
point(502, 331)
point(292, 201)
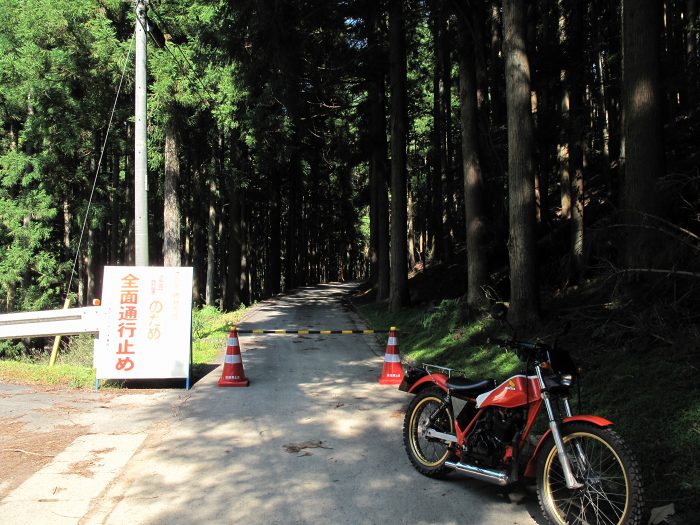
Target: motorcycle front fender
point(432, 379)
point(531, 469)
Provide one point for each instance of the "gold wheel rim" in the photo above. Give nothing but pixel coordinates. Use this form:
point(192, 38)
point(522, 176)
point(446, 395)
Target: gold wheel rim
point(547, 482)
point(413, 431)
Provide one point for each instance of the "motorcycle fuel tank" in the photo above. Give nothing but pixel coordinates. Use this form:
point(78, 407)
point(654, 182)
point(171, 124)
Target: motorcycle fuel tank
point(511, 393)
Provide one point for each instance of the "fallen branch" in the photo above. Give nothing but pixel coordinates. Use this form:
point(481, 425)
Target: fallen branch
point(681, 273)
point(663, 339)
point(669, 224)
point(294, 448)
point(658, 230)
point(26, 452)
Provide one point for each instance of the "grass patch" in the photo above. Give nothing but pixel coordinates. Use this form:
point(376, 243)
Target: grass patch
point(438, 337)
point(655, 406)
point(72, 376)
point(210, 329)
point(74, 363)
point(651, 395)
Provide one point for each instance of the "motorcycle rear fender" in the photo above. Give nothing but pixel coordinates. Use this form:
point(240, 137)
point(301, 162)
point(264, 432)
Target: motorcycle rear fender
point(530, 470)
point(432, 379)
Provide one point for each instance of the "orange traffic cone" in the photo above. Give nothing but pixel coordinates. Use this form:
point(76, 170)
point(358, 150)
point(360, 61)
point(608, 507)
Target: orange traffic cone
point(233, 374)
point(392, 374)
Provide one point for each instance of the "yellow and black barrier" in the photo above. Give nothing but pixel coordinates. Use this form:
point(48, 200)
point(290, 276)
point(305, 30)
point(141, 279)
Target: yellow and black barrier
point(313, 332)
point(392, 373)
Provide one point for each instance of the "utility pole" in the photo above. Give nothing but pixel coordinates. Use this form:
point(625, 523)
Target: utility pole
point(140, 153)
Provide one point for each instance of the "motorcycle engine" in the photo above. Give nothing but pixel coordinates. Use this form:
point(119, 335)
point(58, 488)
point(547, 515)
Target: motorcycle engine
point(491, 435)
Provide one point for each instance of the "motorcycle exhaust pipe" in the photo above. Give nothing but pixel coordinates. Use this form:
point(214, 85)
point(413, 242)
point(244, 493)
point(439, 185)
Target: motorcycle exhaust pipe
point(497, 477)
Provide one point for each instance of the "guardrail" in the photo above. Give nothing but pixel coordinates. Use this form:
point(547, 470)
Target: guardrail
point(49, 323)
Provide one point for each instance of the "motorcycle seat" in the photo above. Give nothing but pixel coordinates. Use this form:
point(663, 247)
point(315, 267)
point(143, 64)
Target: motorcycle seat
point(462, 385)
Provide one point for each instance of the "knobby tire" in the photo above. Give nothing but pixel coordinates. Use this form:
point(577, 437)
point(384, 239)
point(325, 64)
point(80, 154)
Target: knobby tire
point(612, 492)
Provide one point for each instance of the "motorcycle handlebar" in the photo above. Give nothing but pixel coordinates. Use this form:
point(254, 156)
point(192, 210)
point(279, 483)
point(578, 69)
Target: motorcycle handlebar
point(523, 349)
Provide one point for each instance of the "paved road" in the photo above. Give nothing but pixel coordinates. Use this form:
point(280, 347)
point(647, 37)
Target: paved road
point(314, 439)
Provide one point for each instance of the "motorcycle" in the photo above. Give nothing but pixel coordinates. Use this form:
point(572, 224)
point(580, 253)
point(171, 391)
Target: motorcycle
point(585, 473)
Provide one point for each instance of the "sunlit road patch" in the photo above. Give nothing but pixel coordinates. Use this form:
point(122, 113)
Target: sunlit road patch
point(61, 492)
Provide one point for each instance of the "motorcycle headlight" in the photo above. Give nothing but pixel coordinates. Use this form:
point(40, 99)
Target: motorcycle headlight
point(566, 379)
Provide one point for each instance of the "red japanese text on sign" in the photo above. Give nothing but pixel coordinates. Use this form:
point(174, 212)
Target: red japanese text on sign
point(128, 314)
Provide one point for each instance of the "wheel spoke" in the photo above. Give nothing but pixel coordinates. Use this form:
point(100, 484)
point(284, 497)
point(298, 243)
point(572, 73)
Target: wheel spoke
point(603, 499)
point(428, 451)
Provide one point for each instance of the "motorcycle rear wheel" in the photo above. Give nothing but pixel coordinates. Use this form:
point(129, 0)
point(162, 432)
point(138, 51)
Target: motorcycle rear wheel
point(612, 492)
point(427, 455)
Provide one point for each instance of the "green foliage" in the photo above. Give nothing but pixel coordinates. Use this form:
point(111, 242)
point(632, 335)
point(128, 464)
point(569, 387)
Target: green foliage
point(56, 59)
point(364, 226)
point(76, 351)
point(72, 376)
point(11, 350)
point(204, 321)
point(653, 403)
point(27, 268)
point(248, 91)
point(438, 337)
point(446, 313)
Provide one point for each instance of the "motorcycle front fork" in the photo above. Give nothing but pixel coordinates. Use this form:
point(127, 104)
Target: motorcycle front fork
point(571, 482)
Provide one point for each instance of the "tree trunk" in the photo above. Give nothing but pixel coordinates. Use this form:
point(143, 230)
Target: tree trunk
point(564, 106)
point(129, 233)
point(171, 205)
point(67, 222)
point(691, 52)
point(446, 153)
point(378, 162)
point(546, 135)
point(80, 272)
point(437, 199)
point(115, 203)
point(496, 61)
point(398, 294)
point(91, 250)
point(643, 131)
point(293, 211)
point(475, 220)
point(603, 116)
point(577, 116)
point(211, 242)
point(411, 232)
point(198, 239)
point(245, 252)
point(383, 264)
point(521, 182)
point(275, 254)
point(233, 279)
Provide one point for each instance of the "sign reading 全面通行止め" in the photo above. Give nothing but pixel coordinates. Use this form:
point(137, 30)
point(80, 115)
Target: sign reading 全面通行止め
point(147, 316)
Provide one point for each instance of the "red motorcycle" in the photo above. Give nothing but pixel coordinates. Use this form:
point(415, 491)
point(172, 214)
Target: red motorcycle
point(585, 472)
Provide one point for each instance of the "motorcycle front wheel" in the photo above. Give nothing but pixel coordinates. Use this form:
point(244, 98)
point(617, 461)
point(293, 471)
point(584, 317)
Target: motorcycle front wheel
point(612, 493)
point(428, 455)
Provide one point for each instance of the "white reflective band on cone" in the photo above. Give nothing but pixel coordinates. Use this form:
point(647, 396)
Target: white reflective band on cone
point(392, 341)
point(231, 359)
point(392, 358)
point(233, 341)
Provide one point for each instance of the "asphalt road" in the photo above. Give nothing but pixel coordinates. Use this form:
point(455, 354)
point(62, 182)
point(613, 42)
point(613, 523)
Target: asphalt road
point(314, 439)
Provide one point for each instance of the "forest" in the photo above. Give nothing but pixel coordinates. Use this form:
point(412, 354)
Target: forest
point(447, 153)
point(536, 144)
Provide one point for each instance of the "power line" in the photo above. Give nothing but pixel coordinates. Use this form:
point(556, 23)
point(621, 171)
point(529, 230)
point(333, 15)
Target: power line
point(177, 62)
point(167, 28)
point(99, 166)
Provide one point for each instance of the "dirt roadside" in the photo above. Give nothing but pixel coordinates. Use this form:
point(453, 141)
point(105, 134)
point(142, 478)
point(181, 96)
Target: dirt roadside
point(38, 423)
